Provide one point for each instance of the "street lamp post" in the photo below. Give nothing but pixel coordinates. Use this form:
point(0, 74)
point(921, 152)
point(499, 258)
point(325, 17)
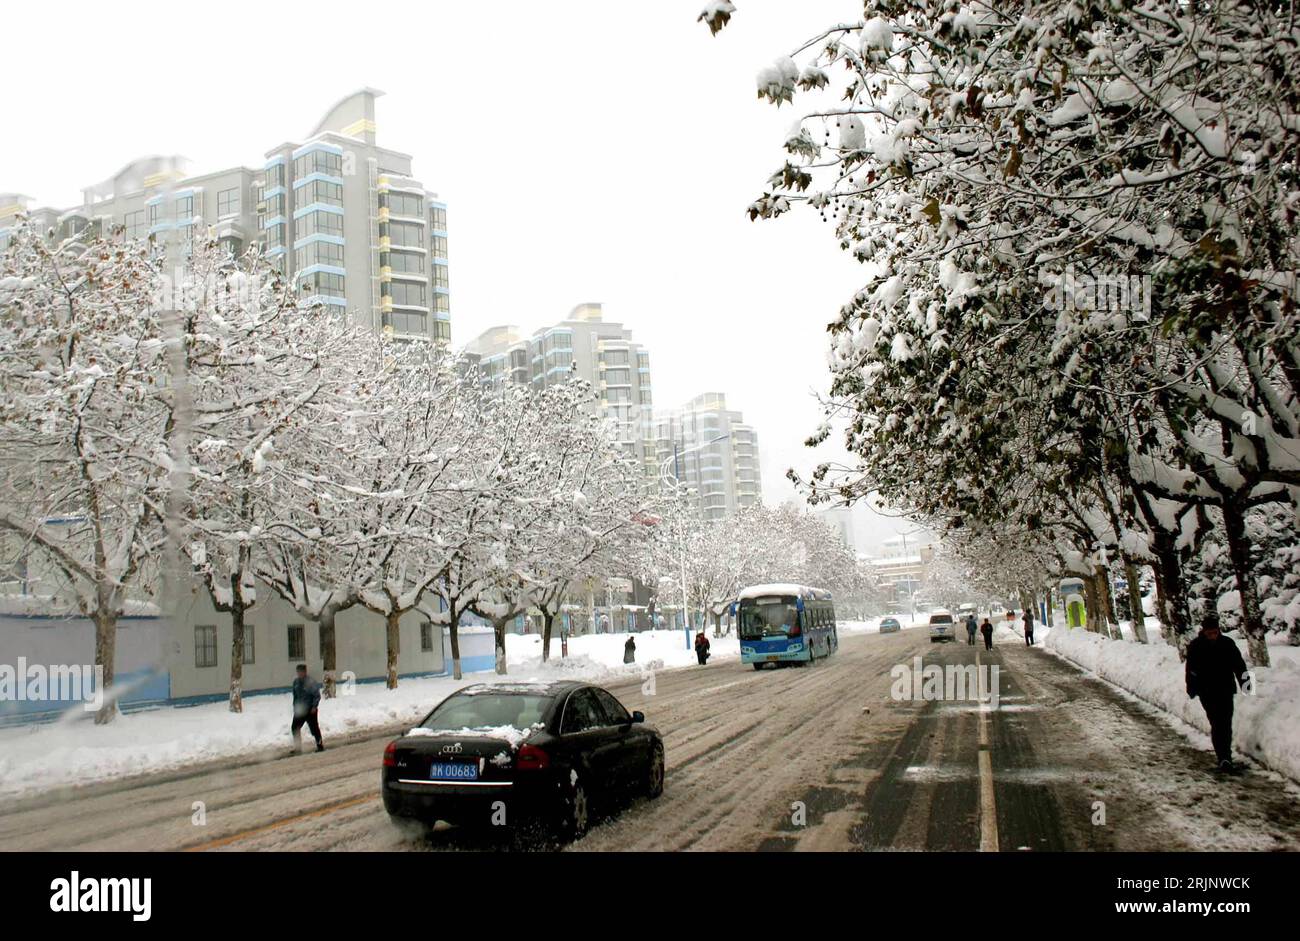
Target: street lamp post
point(675, 460)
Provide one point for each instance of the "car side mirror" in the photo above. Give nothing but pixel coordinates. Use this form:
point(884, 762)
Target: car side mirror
point(638, 716)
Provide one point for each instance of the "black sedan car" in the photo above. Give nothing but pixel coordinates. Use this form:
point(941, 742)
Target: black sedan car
point(522, 754)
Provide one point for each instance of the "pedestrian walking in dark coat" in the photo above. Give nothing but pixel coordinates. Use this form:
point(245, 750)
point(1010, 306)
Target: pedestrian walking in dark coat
point(1028, 617)
point(629, 651)
point(701, 648)
point(1215, 669)
point(306, 707)
point(987, 630)
point(971, 628)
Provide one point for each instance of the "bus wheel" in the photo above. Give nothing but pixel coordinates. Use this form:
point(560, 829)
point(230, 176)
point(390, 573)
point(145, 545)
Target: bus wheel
point(758, 666)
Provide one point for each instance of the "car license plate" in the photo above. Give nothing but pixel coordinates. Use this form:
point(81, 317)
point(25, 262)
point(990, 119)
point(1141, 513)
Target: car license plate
point(773, 657)
point(453, 771)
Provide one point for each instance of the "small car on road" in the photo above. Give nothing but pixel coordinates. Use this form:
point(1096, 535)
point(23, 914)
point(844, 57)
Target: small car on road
point(890, 625)
point(545, 754)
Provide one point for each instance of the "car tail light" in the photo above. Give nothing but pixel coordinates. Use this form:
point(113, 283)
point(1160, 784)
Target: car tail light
point(390, 755)
point(532, 758)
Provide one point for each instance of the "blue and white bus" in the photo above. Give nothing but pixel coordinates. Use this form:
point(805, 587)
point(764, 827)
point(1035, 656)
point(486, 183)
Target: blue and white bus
point(781, 624)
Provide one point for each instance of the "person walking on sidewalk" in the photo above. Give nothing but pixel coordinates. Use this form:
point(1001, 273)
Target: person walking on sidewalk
point(971, 628)
point(306, 708)
point(987, 630)
point(1215, 669)
point(1029, 627)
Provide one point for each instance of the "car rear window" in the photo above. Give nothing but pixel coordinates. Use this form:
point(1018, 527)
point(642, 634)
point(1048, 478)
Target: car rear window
point(941, 619)
point(487, 711)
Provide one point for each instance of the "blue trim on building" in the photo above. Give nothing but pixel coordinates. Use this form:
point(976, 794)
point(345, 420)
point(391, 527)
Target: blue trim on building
point(313, 207)
point(274, 191)
point(317, 175)
point(315, 146)
point(328, 269)
point(318, 237)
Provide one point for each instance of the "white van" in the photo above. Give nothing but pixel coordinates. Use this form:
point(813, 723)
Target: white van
point(942, 626)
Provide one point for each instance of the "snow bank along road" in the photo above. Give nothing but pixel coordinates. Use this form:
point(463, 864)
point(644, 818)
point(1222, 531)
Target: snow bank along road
point(818, 758)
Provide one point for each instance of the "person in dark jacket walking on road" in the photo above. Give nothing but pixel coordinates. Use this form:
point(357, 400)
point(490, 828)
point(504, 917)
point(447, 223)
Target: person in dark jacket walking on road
point(1215, 669)
point(306, 706)
point(971, 628)
point(629, 650)
point(701, 648)
point(1028, 617)
point(987, 630)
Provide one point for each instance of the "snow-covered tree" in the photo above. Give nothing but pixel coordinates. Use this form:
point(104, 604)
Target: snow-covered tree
point(82, 426)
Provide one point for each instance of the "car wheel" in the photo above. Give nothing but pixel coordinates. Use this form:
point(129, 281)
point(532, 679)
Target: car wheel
point(656, 783)
point(758, 666)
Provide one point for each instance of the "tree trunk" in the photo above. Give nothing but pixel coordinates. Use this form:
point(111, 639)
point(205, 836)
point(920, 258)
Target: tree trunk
point(717, 624)
point(499, 629)
point(393, 642)
point(237, 608)
point(548, 623)
point(1111, 626)
point(329, 653)
point(1171, 592)
point(105, 657)
point(453, 624)
point(1135, 601)
point(1252, 621)
point(1092, 603)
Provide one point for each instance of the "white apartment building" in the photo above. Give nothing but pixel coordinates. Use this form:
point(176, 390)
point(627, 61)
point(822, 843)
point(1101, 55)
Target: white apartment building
point(584, 344)
point(340, 215)
point(711, 450)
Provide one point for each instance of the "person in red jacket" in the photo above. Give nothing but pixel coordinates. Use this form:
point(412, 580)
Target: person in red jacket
point(701, 648)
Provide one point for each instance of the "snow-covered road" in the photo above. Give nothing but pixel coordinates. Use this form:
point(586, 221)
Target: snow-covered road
point(747, 752)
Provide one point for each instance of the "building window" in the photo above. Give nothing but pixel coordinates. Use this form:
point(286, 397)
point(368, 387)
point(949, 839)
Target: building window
point(323, 282)
point(205, 646)
point(426, 637)
point(185, 208)
point(134, 223)
point(228, 202)
point(405, 262)
point(319, 253)
point(318, 161)
point(297, 643)
point(319, 191)
point(442, 331)
point(439, 246)
point(406, 321)
point(275, 236)
point(274, 176)
point(440, 277)
point(441, 303)
point(275, 206)
point(438, 218)
point(250, 647)
point(409, 294)
point(320, 222)
point(406, 234)
point(405, 204)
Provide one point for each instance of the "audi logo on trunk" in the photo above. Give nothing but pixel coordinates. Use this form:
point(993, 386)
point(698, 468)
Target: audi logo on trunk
point(451, 749)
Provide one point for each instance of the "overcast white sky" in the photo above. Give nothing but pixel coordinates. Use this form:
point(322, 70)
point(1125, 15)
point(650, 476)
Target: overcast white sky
point(588, 150)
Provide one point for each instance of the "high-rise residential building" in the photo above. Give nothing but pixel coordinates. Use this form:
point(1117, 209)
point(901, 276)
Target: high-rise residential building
point(588, 346)
point(340, 215)
point(711, 450)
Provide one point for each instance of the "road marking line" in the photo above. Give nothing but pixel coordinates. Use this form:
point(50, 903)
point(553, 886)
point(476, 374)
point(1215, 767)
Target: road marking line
point(245, 834)
point(988, 807)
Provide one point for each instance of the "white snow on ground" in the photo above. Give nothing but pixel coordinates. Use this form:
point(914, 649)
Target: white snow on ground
point(75, 752)
point(1266, 724)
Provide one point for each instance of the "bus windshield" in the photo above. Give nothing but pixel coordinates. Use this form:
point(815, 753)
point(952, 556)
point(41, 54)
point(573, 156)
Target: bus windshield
point(767, 617)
